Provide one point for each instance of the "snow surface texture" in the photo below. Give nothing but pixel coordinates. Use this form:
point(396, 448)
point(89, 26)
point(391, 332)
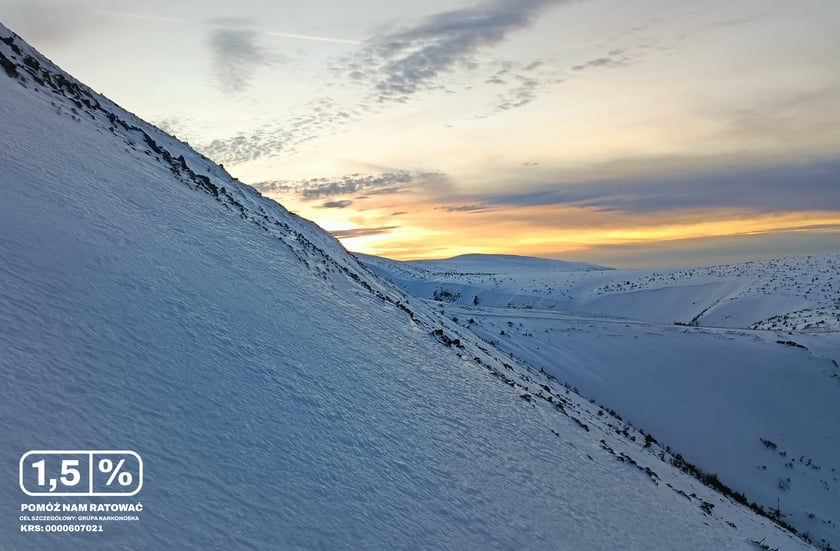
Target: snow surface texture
point(281, 396)
point(757, 407)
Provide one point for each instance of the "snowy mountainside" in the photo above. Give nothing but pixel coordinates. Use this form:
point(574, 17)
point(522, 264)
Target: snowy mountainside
point(502, 279)
point(281, 395)
point(69, 98)
point(754, 405)
point(784, 294)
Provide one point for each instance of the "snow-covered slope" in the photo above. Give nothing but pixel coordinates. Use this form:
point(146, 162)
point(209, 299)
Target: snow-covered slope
point(785, 294)
point(756, 407)
point(503, 280)
point(281, 396)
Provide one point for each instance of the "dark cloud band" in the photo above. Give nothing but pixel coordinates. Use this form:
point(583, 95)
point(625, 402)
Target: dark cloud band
point(358, 185)
point(757, 189)
point(362, 232)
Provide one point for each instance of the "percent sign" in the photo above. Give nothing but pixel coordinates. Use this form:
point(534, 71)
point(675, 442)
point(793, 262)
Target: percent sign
point(124, 478)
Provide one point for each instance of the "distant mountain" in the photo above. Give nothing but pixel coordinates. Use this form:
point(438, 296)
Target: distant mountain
point(281, 395)
point(504, 263)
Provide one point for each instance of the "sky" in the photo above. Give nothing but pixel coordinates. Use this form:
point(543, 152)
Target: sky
point(630, 133)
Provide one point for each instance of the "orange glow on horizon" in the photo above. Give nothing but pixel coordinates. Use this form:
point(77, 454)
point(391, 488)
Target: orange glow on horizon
point(412, 243)
point(416, 229)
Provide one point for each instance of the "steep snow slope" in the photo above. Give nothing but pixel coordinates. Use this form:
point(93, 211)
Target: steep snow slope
point(758, 408)
point(760, 414)
point(281, 396)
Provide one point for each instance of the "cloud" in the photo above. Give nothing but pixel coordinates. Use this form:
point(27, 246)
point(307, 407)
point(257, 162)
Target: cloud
point(320, 117)
point(757, 189)
point(725, 249)
point(465, 208)
point(362, 232)
point(353, 183)
point(240, 21)
point(176, 125)
point(236, 54)
point(337, 204)
point(313, 38)
point(56, 21)
point(408, 60)
point(273, 186)
point(358, 185)
point(526, 81)
point(804, 114)
point(391, 66)
point(597, 62)
point(613, 59)
point(521, 95)
point(244, 147)
point(230, 21)
point(523, 82)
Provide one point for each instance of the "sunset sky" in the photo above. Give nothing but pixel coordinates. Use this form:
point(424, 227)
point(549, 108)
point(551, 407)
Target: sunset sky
point(623, 132)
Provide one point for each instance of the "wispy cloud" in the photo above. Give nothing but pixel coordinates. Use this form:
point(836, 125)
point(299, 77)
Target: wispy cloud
point(314, 38)
point(273, 186)
point(353, 183)
point(614, 58)
point(526, 81)
point(522, 82)
point(405, 61)
point(52, 20)
point(466, 208)
point(343, 204)
point(362, 232)
point(358, 185)
point(236, 54)
point(391, 67)
point(319, 117)
point(521, 95)
point(222, 21)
